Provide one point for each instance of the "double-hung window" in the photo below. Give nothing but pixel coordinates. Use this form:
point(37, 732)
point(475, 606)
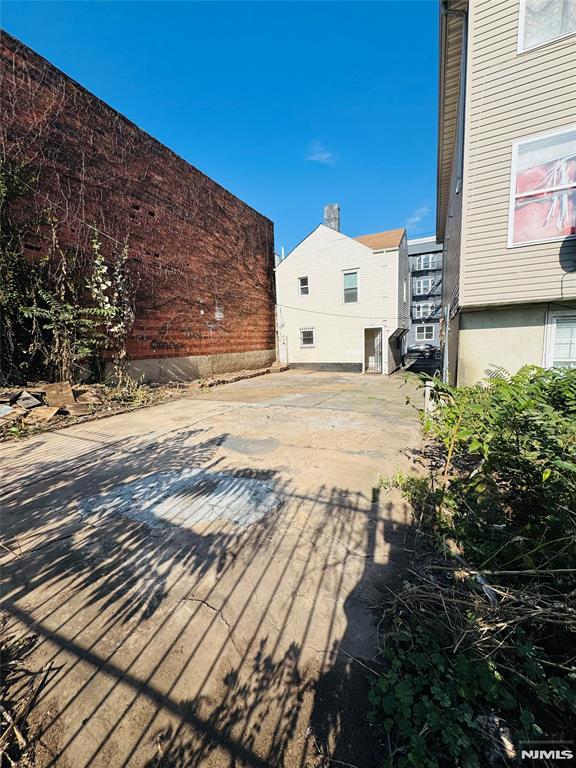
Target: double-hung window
point(543, 188)
point(303, 287)
point(561, 340)
point(307, 337)
point(350, 287)
point(423, 309)
point(542, 21)
point(424, 333)
point(423, 285)
point(427, 261)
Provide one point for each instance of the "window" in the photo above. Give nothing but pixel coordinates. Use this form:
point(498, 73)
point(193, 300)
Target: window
point(427, 261)
point(423, 309)
point(423, 285)
point(306, 337)
point(542, 21)
point(561, 340)
point(543, 188)
point(424, 333)
point(303, 288)
point(350, 287)
point(404, 292)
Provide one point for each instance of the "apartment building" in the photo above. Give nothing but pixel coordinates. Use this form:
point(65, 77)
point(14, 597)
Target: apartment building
point(342, 302)
point(506, 212)
point(425, 258)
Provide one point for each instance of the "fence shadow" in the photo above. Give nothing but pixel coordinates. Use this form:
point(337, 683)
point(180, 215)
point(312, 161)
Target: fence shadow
point(212, 644)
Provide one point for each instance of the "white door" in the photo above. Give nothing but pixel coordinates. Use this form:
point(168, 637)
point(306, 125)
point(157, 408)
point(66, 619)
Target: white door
point(283, 349)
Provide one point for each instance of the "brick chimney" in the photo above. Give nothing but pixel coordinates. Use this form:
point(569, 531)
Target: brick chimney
point(332, 216)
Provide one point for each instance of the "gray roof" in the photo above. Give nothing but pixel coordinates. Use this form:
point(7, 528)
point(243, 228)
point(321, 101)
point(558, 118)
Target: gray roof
point(423, 245)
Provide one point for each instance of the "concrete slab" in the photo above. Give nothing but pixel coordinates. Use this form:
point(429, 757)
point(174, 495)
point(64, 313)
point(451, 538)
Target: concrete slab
point(201, 575)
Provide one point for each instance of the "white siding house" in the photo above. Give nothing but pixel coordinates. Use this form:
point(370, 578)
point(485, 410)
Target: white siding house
point(506, 212)
point(343, 303)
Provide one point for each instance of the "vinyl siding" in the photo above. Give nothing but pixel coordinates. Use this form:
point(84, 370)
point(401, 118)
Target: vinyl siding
point(403, 268)
point(339, 328)
point(510, 95)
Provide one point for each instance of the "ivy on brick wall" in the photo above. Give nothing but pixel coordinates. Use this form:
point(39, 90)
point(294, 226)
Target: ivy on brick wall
point(62, 308)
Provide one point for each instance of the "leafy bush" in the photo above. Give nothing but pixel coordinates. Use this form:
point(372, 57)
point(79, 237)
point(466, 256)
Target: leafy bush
point(480, 648)
point(511, 464)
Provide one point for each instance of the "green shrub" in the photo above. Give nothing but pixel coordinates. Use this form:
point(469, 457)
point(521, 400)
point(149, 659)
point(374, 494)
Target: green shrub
point(465, 650)
point(510, 467)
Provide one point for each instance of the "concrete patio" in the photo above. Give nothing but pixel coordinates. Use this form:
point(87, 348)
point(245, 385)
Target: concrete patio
point(202, 574)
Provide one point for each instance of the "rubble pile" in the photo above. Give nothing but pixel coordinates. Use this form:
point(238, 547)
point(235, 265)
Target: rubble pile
point(41, 403)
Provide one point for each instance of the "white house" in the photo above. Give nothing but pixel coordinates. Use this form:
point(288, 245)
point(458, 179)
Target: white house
point(343, 302)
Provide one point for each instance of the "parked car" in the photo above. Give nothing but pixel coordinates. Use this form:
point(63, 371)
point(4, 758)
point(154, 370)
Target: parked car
point(422, 350)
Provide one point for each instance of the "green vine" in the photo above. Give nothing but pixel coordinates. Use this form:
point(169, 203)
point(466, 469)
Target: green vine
point(63, 310)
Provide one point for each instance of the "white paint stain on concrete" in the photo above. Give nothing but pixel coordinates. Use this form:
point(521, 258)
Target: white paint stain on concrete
point(187, 498)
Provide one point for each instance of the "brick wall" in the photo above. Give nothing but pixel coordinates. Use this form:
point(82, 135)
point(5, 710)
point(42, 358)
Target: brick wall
point(202, 259)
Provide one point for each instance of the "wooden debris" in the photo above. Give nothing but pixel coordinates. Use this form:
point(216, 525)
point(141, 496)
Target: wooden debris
point(8, 414)
point(89, 396)
point(79, 409)
point(59, 394)
point(26, 400)
point(9, 395)
point(41, 415)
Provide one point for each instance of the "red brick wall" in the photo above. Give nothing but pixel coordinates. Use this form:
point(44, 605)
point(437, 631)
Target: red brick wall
point(193, 246)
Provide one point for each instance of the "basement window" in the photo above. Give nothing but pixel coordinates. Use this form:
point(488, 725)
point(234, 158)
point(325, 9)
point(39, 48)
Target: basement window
point(543, 21)
point(543, 188)
point(560, 346)
point(306, 337)
point(303, 288)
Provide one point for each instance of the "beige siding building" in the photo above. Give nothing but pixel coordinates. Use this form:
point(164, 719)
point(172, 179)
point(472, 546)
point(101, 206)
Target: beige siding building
point(343, 303)
point(507, 183)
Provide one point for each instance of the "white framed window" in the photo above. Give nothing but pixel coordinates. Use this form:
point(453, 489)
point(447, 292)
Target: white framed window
point(404, 291)
point(423, 309)
point(350, 287)
point(543, 21)
point(560, 340)
point(427, 261)
point(424, 333)
point(307, 337)
point(423, 285)
point(543, 188)
point(303, 287)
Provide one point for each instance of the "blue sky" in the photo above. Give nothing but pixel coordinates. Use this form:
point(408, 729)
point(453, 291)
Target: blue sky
point(290, 105)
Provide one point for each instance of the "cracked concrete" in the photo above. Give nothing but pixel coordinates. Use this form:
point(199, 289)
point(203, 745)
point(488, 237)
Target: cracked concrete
point(200, 574)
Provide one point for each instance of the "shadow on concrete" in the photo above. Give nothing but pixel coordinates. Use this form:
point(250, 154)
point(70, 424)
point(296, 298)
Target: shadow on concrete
point(98, 592)
point(430, 366)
